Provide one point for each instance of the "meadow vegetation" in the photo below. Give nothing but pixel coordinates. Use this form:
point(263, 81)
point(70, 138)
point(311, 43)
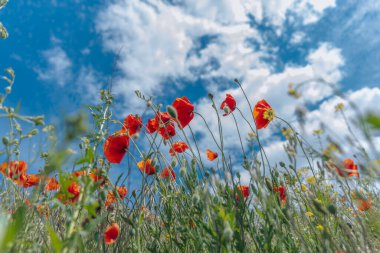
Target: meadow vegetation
point(325, 202)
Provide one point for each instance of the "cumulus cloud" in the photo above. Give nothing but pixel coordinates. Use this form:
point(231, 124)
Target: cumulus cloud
point(366, 100)
point(58, 67)
point(82, 83)
point(156, 42)
point(88, 84)
point(277, 11)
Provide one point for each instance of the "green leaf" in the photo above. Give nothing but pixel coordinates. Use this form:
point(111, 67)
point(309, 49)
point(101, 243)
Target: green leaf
point(373, 120)
point(88, 158)
point(55, 240)
point(14, 228)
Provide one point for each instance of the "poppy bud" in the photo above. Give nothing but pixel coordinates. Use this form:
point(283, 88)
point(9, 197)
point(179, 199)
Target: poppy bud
point(268, 184)
point(226, 109)
point(5, 141)
point(193, 161)
point(172, 111)
point(182, 171)
point(33, 132)
point(38, 121)
point(173, 163)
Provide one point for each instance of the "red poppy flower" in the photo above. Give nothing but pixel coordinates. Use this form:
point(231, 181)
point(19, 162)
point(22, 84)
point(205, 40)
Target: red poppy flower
point(74, 189)
point(111, 233)
point(146, 166)
point(162, 123)
point(178, 147)
point(52, 184)
point(71, 194)
point(185, 111)
point(167, 132)
point(282, 193)
point(244, 190)
point(152, 126)
point(211, 155)
point(31, 180)
point(122, 191)
point(111, 198)
point(116, 146)
point(228, 105)
point(364, 205)
point(97, 178)
point(263, 114)
point(15, 170)
point(168, 172)
point(79, 173)
point(132, 123)
point(349, 168)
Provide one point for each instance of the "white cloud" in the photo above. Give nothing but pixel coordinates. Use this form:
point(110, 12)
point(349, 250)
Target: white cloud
point(88, 84)
point(156, 41)
point(276, 11)
point(224, 12)
point(322, 61)
point(366, 100)
point(297, 38)
point(58, 67)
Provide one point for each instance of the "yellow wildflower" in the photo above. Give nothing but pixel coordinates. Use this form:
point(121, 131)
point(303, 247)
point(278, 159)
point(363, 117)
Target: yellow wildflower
point(339, 107)
point(320, 227)
point(309, 214)
point(311, 180)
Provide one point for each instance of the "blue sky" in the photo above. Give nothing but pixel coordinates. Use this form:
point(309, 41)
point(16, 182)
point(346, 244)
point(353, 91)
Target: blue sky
point(63, 52)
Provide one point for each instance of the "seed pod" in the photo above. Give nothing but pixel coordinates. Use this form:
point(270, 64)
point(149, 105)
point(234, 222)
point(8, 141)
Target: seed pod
point(268, 184)
point(172, 111)
point(5, 141)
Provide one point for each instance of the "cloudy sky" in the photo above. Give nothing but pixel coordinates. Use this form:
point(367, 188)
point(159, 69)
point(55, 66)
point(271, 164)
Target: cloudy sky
point(63, 52)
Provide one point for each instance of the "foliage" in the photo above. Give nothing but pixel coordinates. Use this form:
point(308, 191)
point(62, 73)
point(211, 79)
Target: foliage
point(314, 202)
